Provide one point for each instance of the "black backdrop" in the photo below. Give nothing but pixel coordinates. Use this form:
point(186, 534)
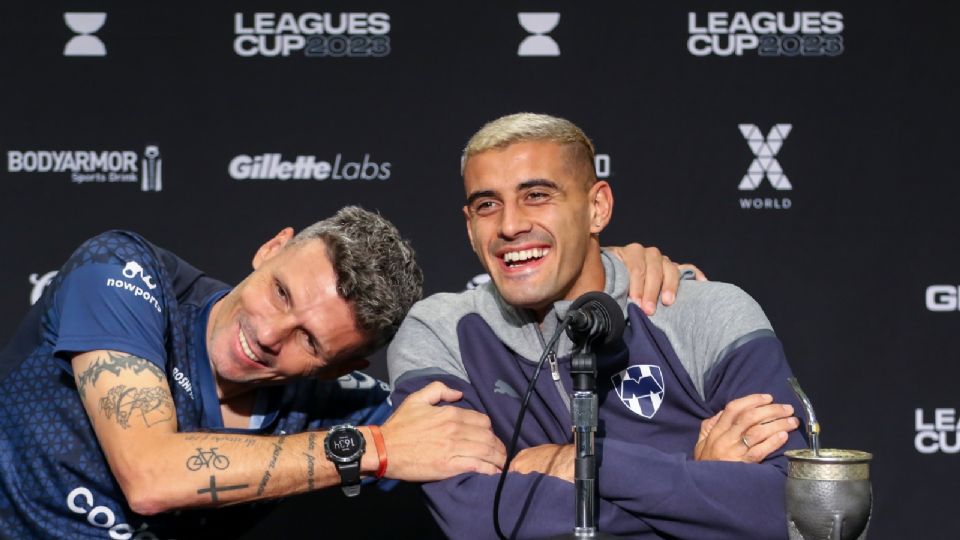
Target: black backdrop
point(845, 273)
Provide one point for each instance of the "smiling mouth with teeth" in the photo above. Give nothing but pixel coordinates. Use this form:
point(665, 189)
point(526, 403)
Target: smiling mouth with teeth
point(246, 348)
point(517, 258)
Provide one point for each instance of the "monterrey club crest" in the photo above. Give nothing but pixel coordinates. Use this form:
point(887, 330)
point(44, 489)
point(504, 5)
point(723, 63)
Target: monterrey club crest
point(640, 388)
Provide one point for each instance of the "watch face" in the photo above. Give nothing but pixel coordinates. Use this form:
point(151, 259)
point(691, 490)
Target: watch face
point(344, 444)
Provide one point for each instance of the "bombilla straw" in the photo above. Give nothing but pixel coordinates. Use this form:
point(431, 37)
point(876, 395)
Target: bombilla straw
point(813, 427)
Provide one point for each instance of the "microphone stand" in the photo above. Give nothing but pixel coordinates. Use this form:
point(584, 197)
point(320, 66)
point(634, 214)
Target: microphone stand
point(583, 369)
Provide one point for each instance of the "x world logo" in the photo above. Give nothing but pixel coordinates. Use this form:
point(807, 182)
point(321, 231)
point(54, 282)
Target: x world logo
point(765, 152)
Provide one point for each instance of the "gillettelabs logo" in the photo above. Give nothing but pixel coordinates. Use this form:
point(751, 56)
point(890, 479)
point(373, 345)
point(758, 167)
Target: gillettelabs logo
point(943, 298)
point(272, 166)
point(85, 25)
point(770, 34)
point(938, 432)
point(92, 166)
point(538, 43)
point(765, 165)
point(317, 35)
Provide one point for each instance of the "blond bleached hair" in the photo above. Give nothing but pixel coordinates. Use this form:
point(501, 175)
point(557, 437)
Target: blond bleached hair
point(523, 127)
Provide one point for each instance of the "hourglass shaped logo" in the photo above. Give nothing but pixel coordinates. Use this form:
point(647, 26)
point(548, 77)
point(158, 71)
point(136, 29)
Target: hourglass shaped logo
point(84, 43)
point(538, 44)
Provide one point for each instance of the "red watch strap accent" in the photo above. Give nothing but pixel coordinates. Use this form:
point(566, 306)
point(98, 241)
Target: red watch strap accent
point(381, 450)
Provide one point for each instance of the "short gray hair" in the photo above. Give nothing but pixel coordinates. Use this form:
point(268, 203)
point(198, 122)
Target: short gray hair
point(522, 127)
point(377, 272)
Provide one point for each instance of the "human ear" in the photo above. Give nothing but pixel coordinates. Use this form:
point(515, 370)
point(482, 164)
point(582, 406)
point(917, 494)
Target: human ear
point(601, 206)
point(272, 247)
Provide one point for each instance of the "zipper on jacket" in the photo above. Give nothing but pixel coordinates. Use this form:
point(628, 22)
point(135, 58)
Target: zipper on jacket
point(555, 371)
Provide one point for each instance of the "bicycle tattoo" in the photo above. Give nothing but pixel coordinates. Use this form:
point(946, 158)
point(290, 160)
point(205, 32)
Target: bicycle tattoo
point(205, 459)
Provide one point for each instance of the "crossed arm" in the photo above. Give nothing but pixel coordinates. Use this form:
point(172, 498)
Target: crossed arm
point(130, 406)
point(748, 429)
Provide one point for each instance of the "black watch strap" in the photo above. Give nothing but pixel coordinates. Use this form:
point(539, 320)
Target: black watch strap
point(349, 478)
point(344, 446)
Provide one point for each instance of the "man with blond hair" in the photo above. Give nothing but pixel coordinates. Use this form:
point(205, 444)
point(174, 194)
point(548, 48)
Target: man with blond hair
point(694, 405)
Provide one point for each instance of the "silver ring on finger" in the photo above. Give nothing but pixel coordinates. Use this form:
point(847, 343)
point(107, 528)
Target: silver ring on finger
point(745, 441)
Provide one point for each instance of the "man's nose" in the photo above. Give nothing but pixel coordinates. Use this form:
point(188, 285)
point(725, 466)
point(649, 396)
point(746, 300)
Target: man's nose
point(513, 221)
point(273, 331)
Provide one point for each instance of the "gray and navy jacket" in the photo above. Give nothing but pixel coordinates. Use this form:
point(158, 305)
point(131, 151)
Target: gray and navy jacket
point(673, 370)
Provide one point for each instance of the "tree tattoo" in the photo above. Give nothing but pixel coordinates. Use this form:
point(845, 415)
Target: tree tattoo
point(152, 404)
point(114, 363)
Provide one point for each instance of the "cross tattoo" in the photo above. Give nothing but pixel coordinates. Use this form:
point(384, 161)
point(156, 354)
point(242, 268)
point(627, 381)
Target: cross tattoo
point(213, 489)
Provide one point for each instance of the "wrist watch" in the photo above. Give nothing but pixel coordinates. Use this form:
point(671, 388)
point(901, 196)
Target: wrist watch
point(344, 446)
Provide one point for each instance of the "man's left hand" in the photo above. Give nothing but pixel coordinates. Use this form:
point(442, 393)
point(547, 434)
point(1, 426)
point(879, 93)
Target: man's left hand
point(652, 274)
point(551, 459)
point(748, 429)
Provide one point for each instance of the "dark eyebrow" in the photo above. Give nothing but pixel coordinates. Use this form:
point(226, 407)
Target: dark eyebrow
point(538, 182)
point(478, 194)
point(526, 184)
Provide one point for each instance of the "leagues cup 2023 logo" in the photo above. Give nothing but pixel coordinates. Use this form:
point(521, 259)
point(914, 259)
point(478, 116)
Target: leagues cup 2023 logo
point(92, 166)
point(770, 34)
point(316, 35)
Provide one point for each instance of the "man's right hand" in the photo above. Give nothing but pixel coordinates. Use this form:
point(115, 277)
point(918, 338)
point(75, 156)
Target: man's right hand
point(427, 442)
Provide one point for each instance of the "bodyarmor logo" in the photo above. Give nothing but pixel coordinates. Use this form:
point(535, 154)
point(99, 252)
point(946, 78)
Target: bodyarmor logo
point(92, 166)
point(538, 43)
point(84, 43)
point(640, 388)
point(152, 174)
point(39, 284)
point(765, 152)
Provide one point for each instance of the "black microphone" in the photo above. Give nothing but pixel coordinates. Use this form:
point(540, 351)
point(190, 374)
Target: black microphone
point(595, 317)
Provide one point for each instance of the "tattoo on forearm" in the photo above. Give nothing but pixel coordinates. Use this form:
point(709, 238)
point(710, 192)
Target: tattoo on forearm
point(311, 445)
point(277, 448)
point(213, 489)
point(204, 459)
point(114, 363)
point(152, 404)
point(199, 437)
